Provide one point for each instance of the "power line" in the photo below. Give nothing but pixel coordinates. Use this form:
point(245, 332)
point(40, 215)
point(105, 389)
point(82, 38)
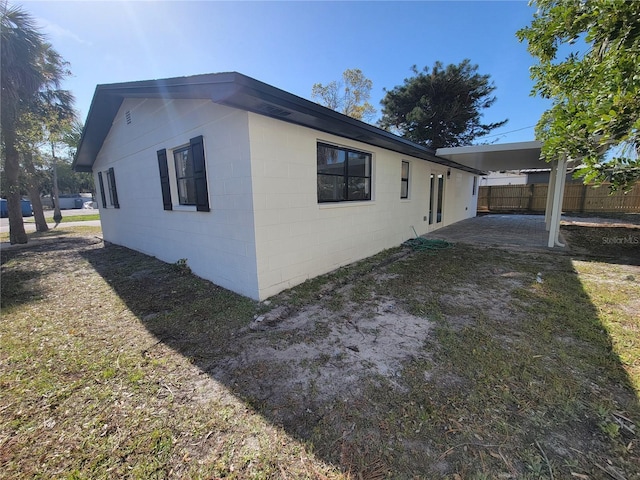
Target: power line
point(504, 133)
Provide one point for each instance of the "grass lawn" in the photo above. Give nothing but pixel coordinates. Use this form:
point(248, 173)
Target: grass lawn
point(472, 363)
point(69, 218)
point(56, 232)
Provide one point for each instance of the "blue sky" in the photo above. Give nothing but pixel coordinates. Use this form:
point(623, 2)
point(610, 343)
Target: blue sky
point(292, 45)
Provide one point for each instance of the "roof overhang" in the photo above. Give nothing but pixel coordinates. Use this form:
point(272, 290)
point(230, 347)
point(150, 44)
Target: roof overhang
point(236, 90)
point(497, 157)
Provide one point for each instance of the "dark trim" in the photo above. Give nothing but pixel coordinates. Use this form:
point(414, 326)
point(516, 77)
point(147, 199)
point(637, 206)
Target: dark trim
point(239, 91)
point(102, 193)
point(199, 174)
point(165, 184)
point(111, 178)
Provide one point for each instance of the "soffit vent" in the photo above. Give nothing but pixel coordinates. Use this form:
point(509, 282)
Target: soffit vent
point(127, 115)
point(273, 110)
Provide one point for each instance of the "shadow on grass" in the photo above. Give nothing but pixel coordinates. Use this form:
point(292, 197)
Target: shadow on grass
point(18, 286)
point(515, 378)
point(620, 245)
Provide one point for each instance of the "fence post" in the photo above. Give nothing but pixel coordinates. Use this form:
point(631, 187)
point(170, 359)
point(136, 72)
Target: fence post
point(530, 205)
point(583, 200)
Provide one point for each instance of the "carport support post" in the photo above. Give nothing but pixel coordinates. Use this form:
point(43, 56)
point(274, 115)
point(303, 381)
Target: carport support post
point(556, 210)
point(550, 190)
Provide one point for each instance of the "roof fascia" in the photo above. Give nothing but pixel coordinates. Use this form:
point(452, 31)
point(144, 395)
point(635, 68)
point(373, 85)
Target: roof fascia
point(239, 91)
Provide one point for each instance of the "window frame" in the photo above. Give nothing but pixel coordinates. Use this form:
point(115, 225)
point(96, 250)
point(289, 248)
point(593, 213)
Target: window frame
point(109, 190)
point(405, 180)
point(345, 173)
point(169, 179)
point(184, 148)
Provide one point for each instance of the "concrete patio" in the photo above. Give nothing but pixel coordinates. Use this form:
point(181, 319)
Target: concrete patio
point(506, 231)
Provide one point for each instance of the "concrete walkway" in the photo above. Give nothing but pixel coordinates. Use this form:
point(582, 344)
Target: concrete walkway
point(524, 232)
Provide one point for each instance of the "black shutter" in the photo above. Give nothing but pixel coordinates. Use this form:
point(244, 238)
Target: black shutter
point(112, 186)
point(164, 179)
point(199, 174)
point(102, 194)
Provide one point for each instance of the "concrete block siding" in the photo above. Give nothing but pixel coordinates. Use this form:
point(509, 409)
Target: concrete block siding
point(266, 230)
point(297, 238)
point(219, 245)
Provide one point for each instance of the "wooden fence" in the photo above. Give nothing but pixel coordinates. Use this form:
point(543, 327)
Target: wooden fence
point(577, 198)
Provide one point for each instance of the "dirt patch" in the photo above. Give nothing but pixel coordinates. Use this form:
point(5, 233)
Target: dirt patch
point(327, 353)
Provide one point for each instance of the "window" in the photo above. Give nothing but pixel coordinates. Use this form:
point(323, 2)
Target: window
point(404, 180)
point(184, 176)
point(344, 175)
point(111, 186)
point(190, 176)
point(475, 185)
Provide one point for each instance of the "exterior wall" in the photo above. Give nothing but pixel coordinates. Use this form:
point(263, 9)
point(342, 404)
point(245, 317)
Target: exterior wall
point(266, 230)
point(297, 238)
point(219, 245)
point(460, 201)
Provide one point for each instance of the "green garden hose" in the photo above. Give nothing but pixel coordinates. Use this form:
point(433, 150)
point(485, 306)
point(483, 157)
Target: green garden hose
point(420, 244)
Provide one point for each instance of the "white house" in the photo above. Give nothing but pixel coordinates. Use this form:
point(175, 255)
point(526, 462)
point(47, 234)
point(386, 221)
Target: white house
point(256, 188)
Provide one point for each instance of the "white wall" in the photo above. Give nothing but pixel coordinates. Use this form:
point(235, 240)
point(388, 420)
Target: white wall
point(298, 239)
point(219, 245)
point(266, 231)
point(460, 200)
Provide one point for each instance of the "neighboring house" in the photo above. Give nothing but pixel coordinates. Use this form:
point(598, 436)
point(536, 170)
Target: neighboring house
point(503, 178)
point(541, 175)
point(258, 189)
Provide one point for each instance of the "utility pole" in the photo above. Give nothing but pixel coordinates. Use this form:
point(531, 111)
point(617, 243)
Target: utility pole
point(57, 215)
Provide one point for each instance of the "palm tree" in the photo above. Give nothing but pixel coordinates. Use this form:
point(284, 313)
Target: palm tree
point(31, 74)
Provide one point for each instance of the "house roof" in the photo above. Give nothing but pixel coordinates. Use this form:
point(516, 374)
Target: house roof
point(236, 90)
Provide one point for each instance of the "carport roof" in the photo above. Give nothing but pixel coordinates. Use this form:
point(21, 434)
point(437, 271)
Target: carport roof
point(236, 90)
point(497, 157)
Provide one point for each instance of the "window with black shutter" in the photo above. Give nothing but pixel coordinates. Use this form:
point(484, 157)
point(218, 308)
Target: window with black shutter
point(190, 176)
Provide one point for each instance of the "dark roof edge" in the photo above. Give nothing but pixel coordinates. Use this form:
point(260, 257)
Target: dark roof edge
point(239, 91)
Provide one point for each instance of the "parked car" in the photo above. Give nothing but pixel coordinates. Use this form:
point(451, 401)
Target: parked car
point(25, 204)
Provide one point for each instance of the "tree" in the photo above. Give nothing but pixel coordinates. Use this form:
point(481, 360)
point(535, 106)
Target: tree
point(595, 114)
point(441, 107)
point(348, 96)
point(31, 73)
point(45, 120)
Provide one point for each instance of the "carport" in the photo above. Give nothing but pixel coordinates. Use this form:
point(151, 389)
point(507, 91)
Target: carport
point(518, 156)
